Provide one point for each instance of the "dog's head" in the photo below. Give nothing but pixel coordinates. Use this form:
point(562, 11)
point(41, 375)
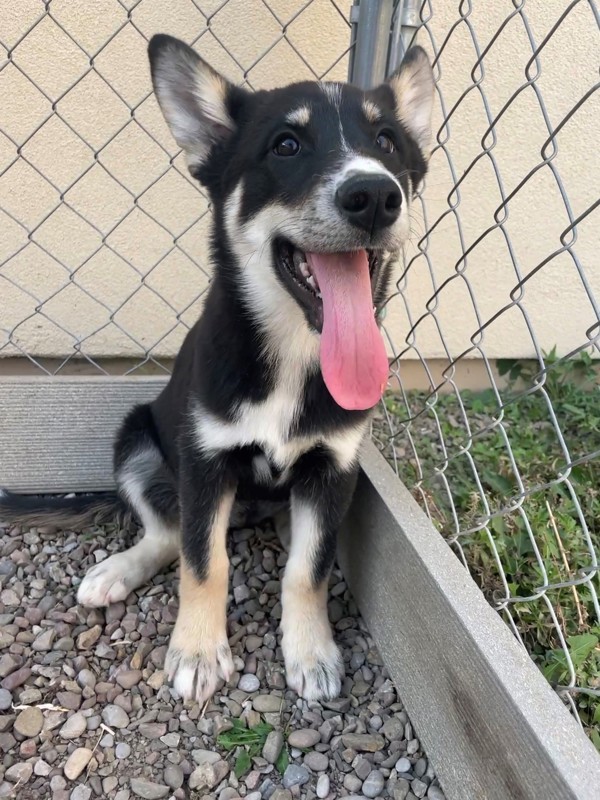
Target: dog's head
point(311, 186)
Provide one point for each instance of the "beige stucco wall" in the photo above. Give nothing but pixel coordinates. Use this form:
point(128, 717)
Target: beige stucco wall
point(121, 264)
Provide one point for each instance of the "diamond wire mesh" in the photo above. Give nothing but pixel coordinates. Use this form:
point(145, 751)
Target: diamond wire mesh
point(104, 240)
point(530, 537)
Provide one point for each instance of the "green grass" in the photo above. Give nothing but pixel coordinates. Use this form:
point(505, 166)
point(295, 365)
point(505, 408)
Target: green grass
point(456, 440)
point(247, 743)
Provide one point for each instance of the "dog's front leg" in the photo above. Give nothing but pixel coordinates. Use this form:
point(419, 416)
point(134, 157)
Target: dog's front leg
point(314, 665)
point(199, 653)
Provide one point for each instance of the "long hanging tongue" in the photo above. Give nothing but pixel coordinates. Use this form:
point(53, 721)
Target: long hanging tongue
point(353, 358)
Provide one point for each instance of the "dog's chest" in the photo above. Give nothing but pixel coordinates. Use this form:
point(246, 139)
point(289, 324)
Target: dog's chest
point(269, 425)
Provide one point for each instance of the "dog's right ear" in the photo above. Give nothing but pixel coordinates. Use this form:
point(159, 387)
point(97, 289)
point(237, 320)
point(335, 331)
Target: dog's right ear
point(192, 96)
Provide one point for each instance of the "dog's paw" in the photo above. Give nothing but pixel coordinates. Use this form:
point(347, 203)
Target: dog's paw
point(107, 582)
point(195, 669)
point(314, 666)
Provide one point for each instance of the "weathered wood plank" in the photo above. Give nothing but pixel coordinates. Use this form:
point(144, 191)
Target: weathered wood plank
point(491, 725)
point(56, 433)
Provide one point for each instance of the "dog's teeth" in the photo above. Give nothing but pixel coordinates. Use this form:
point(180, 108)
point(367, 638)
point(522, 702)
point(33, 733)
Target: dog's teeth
point(311, 282)
point(319, 295)
point(304, 269)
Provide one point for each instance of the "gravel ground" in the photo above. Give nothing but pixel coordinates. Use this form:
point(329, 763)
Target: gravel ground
point(87, 712)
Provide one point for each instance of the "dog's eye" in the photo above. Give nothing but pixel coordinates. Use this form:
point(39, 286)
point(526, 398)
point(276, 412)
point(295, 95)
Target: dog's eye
point(286, 145)
point(385, 143)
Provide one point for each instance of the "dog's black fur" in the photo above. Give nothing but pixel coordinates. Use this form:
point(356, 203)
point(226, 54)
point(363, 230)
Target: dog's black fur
point(173, 469)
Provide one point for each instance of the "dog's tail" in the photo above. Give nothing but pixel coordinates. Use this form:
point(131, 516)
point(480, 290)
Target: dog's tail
point(75, 511)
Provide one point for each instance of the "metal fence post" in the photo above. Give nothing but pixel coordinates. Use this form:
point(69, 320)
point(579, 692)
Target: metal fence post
point(370, 56)
point(404, 27)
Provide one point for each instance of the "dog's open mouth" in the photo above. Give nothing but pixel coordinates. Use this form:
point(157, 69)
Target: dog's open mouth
point(335, 291)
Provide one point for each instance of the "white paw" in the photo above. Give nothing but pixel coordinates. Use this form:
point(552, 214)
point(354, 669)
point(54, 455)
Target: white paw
point(313, 664)
point(107, 582)
point(196, 671)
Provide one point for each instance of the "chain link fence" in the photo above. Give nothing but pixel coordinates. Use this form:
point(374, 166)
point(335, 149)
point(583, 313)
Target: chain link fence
point(103, 251)
point(103, 261)
point(503, 266)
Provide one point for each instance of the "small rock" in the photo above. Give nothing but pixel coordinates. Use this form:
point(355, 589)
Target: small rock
point(44, 641)
point(153, 730)
point(418, 787)
point(435, 793)
point(403, 765)
point(401, 789)
point(5, 699)
point(129, 678)
point(122, 750)
point(249, 683)
point(42, 768)
point(281, 794)
point(81, 792)
point(148, 790)
point(203, 777)
point(364, 742)
point(393, 728)
point(373, 785)
point(173, 776)
point(295, 776)
point(272, 746)
point(114, 716)
point(19, 773)
point(304, 738)
point(317, 762)
point(16, 679)
point(267, 703)
point(323, 786)
point(30, 722)
point(205, 757)
point(77, 762)
point(73, 727)
point(89, 638)
point(171, 739)
point(253, 643)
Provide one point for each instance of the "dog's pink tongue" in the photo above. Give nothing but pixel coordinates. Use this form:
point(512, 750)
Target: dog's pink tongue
point(353, 358)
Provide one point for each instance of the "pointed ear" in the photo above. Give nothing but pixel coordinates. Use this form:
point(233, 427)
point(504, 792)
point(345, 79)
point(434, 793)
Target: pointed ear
point(192, 96)
point(412, 85)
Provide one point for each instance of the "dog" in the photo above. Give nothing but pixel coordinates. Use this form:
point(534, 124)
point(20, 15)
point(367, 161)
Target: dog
point(271, 392)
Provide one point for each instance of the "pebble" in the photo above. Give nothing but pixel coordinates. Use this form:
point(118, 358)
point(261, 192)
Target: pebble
point(373, 785)
point(77, 762)
point(114, 716)
point(304, 738)
point(29, 722)
point(88, 638)
point(74, 727)
point(272, 747)
point(19, 773)
point(364, 742)
point(122, 750)
point(267, 703)
point(317, 762)
point(435, 793)
point(129, 678)
point(81, 792)
point(148, 790)
point(249, 683)
point(5, 699)
point(403, 765)
point(295, 776)
point(323, 786)
point(203, 777)
point(173, 776)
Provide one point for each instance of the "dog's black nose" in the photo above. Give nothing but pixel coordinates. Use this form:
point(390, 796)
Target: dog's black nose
point(369, 201)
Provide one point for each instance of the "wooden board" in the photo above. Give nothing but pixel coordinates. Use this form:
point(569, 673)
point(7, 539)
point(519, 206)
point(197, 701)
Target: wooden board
point(489, 722)
point(56, 434)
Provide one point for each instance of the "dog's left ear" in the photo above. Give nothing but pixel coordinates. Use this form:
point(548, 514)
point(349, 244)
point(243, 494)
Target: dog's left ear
point(413, 85)
point(194, 98)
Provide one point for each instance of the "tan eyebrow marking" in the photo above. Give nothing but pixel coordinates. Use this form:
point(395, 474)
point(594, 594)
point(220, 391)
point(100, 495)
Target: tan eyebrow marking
point(299, 116)
point(371, 111)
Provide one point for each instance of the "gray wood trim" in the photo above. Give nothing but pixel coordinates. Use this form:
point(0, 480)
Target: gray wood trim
point(490, 723)
point(56, 433)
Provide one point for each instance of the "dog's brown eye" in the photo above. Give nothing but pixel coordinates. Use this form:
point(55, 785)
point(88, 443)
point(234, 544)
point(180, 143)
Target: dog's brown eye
point(385, 143)
point(286, 146)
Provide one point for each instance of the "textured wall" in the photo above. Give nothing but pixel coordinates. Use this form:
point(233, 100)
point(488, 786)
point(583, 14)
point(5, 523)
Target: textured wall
point(103, 242)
